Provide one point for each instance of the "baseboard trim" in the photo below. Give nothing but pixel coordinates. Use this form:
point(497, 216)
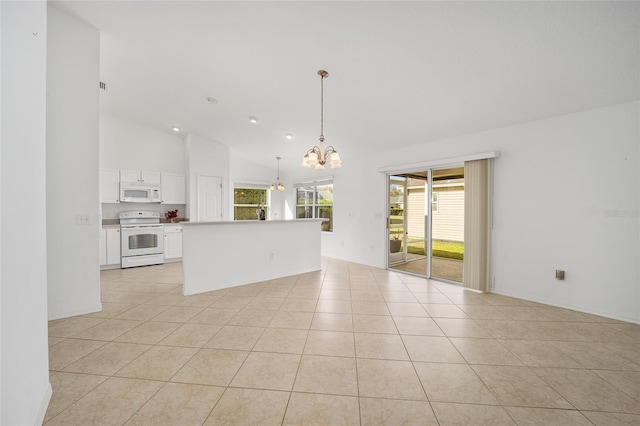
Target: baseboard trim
point(564, 306)
point(44, 405)
point(93, 310)
point(108, 267)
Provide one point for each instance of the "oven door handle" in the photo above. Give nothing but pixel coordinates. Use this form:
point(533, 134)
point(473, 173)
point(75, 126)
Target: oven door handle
point(125, 227)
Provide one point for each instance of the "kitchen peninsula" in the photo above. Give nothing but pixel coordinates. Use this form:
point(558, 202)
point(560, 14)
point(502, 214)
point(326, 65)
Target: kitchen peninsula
point(227, 254)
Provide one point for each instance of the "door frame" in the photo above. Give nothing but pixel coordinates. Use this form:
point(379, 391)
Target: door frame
point(401, 256)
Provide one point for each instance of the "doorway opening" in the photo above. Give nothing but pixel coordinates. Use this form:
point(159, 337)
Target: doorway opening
point(426, 223)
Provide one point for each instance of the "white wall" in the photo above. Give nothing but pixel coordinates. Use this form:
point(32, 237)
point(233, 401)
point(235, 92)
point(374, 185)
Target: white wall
point(554, 183)
point(72, 165)
point(126, 144)
point(204, 156)
point(24, 376)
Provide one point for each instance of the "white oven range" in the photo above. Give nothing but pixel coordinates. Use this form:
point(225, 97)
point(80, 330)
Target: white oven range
point(142, 238)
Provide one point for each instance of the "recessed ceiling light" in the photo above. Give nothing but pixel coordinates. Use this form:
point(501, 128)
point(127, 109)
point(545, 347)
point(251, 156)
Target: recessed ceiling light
point(211, 100)
point(288, 136)
point(253, 120)
point(176, 129)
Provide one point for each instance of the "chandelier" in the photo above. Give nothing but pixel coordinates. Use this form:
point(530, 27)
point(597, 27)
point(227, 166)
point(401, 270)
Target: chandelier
point(277, 185)
point(317, 156)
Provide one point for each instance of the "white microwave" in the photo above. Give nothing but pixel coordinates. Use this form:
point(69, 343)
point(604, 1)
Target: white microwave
point(139, 192)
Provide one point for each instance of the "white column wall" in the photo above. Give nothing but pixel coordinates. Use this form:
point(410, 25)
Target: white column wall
point(558, 185)
point(72, 166)
point(24, 375)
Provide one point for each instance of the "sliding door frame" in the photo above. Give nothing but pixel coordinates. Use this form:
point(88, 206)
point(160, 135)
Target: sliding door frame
point(428, 245)
point(429, 166)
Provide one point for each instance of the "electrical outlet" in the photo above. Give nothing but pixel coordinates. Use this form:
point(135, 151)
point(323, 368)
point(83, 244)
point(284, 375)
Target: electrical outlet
point(83, 219)
point(493, 282)
point(271, 256)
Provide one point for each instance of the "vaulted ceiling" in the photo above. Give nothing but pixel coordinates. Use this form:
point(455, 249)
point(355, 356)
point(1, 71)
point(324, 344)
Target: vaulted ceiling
point(401, 73)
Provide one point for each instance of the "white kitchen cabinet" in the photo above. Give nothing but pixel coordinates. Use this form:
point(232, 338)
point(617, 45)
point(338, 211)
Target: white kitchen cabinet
point(172, 242)
point(103, 246)
point(109, 185)
point(139, 176)
point(173, 188)
point(113, 246)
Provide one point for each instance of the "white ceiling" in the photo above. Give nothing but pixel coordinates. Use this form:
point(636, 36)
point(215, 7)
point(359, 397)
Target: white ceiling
point(401, 73)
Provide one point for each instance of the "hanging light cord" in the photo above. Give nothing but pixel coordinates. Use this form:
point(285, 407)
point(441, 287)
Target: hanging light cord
point(322, 105)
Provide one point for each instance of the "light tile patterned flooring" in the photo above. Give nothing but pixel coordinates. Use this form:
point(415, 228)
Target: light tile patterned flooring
point(351, 344)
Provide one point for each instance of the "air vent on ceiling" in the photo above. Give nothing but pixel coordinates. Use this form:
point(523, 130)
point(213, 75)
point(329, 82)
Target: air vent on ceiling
point(103, 86)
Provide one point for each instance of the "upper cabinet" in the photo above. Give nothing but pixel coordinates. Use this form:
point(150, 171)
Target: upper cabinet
point(173, 188)
point(173, 184)
point(109, 185)
point(139, 176)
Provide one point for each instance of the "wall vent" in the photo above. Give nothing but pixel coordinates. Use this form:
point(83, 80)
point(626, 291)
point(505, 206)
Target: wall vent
point(103, 86)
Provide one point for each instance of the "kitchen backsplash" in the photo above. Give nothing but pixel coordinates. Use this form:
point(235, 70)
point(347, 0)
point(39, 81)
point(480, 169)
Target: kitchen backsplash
point(111, 211)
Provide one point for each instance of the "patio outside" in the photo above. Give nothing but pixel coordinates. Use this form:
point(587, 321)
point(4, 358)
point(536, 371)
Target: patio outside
point(407, 207)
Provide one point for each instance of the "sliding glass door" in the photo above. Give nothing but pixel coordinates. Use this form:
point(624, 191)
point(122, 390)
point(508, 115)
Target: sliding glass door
point(426, 223)
point(408, 222)
point(396, 225)
point(447, 223)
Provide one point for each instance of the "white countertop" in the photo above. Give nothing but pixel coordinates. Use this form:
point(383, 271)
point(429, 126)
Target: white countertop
point(162, 223)
point(251, 222)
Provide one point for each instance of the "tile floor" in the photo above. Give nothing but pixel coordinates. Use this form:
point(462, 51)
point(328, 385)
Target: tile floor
point(348, 345)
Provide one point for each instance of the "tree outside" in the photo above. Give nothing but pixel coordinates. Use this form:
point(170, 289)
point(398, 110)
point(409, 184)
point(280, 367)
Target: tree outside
point(246, 202)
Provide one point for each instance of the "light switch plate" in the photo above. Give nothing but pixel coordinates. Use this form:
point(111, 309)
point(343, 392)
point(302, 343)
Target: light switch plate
point(83, 219)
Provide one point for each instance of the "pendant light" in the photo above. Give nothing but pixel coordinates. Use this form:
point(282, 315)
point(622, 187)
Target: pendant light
point(277, 185)
point(317, 156)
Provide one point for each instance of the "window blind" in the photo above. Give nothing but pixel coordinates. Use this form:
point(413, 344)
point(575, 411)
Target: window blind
point(251, 185)
point(475, 271)
point(328, 180)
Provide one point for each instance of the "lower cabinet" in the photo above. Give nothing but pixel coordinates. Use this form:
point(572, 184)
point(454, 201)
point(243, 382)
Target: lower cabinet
point(113, 246)
point(172, 242)
point(109, 246)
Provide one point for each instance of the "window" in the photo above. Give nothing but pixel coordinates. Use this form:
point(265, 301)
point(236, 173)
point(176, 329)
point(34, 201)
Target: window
point(315, 200)
point(247, 200)
point(434, 202)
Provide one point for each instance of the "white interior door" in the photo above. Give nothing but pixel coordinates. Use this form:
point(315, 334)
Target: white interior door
point(209, 198)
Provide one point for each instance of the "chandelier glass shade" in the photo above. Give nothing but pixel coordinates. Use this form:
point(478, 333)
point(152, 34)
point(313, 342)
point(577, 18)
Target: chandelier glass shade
point(277, 185)
point(318, 156)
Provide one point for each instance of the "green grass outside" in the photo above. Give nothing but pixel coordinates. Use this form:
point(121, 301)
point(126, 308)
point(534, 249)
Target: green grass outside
point(445, 249)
